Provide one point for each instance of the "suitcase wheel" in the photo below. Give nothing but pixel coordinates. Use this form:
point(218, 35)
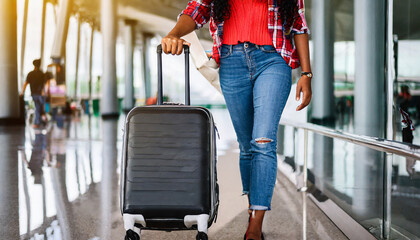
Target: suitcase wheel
point(131, 235)
point(201, 236)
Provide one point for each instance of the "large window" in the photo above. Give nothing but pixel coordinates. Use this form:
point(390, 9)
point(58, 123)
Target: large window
point(350, 175)
point(406, 171)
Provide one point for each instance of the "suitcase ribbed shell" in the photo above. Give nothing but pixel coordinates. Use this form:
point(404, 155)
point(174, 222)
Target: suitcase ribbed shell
point(168, 155)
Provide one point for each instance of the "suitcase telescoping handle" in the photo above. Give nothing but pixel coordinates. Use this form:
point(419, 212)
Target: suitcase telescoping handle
point(187, 75)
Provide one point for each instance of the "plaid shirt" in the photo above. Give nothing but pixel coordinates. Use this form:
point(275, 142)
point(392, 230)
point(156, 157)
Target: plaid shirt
point(201, 11)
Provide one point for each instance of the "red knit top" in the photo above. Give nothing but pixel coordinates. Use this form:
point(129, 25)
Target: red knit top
point(247, 23)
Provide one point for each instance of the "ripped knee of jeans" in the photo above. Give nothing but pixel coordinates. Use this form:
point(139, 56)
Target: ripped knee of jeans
point(263, 140)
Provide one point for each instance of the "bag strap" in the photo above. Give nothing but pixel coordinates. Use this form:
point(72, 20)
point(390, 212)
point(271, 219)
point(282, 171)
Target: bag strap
point(198, 54)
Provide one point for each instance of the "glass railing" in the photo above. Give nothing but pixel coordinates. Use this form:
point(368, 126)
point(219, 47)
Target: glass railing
point(357, 180)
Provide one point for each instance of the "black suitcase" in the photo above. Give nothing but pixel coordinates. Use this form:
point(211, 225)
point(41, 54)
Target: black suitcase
point(168, 170)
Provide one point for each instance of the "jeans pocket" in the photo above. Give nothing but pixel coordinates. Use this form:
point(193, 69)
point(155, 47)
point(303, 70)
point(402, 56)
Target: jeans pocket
point(225, 51)
point(268, 48)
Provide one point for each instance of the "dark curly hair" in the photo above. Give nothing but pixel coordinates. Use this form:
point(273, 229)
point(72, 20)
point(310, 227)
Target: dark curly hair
point(288, 9)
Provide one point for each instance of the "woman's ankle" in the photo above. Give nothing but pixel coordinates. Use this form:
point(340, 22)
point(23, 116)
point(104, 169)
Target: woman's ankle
point(255, 224)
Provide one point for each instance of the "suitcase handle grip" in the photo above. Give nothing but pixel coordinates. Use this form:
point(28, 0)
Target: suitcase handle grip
point(187, 75)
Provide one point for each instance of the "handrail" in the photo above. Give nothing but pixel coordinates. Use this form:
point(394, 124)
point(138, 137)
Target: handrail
point(383, 145)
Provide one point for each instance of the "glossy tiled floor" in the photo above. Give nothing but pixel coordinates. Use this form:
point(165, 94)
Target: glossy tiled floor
point(62, 182)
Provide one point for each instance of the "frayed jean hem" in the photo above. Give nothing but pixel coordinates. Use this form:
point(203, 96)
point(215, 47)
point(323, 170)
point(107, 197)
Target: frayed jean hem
point(259, 207)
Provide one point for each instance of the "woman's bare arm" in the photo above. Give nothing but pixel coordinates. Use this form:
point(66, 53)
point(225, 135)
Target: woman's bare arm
point(173, 43)
point(304, 83)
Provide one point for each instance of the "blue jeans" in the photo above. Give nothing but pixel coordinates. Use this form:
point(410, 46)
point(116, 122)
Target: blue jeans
point(256, 83)
point(39, 101)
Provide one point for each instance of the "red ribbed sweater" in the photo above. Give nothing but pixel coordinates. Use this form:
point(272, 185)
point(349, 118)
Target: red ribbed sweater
point(247, 23)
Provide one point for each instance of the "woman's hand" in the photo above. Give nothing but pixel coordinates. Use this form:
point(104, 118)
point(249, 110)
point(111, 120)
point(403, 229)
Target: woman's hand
point(304, 83)
point(304, 86)
point(173, 44)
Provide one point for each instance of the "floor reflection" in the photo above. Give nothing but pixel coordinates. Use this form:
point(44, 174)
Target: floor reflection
point(67, 170)
point(109, 198)
point(11, 141)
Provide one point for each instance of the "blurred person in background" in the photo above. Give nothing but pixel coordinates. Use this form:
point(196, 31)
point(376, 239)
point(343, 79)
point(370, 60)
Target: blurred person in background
point(404, 98)
point(256, 52)
point(36, 79)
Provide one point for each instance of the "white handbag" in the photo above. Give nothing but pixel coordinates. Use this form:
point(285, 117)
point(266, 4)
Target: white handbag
point(207, 67)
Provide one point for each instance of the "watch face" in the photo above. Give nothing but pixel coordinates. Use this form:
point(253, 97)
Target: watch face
point(309, 75)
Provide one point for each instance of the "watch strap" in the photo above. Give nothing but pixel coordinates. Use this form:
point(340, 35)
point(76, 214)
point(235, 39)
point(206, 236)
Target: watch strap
point(308, 74)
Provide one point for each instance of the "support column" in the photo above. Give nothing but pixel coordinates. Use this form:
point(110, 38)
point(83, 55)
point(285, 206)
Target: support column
point(60, 38)
point(23, 44)
point(323, 85)
point(129, 51)
point(76, 77)
point(92, 34)
point(9, 96)
point(323, 61)
point(44, 13)
point(146, 65)
point(369, 74)
point(109, 100)
point(369, 105)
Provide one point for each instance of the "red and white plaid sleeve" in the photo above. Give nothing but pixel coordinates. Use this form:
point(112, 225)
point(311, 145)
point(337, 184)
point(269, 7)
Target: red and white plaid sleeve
point(300, 26)
point(199, 11)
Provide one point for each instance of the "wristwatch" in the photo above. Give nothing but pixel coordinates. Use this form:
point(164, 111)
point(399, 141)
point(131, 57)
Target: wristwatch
point(308, 74)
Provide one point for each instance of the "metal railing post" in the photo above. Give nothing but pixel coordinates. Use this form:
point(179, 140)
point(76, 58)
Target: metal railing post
point(305, 162)
point(387, 195)
point(304, 216)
